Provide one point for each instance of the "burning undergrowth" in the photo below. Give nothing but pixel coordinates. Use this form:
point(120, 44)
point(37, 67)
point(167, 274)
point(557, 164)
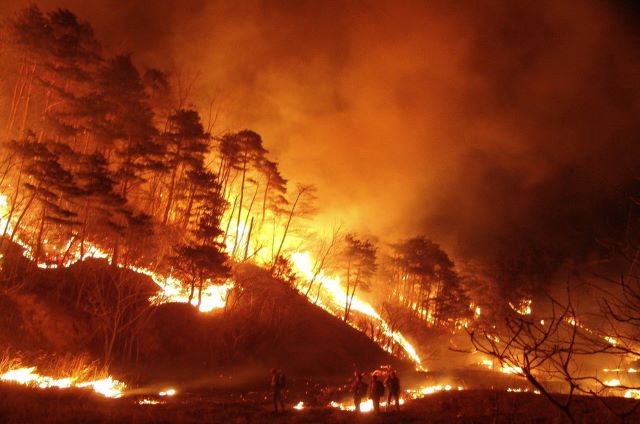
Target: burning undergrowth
point(267, 323)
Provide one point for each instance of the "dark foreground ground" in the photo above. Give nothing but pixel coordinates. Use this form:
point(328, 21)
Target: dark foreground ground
point(23, 405)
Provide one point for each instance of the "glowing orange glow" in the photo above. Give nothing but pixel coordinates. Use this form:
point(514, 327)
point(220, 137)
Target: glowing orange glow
point(408, 394)
point(614, 382)
point(27, 376)
point(335, 297)
point(632, 394)
point(147, 401)
point(521, 390)
point(213, 296)
point(169, 392)
point(511, 369)
point(523, 307)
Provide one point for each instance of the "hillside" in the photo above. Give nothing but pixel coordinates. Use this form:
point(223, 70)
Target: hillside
point(93, 309)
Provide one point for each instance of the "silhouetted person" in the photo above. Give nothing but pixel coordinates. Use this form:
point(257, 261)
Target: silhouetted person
point(278, 382)
point(359, 389)
point(392, 382)
point(376, 391)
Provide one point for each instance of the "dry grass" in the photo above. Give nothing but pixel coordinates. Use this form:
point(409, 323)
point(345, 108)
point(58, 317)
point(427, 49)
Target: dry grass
point(80, 368)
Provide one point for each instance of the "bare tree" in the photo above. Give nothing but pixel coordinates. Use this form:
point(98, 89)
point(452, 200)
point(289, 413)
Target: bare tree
point(540, 349)
point(116, 302)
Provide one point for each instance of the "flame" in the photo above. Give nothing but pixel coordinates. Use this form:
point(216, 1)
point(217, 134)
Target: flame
point(410, 394)
point(366, 406)
point(26, 376)
point(628, 370)
point(523, 307)
point(521, 390)
point(215, 296)
point(337, 297)
point(429, 390)
point(632, 394)
point(486, 363)
point(614, 382)
point(299, 406)
point(170, 392)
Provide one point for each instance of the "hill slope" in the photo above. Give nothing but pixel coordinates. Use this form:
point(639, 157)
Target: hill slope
point(80, 309)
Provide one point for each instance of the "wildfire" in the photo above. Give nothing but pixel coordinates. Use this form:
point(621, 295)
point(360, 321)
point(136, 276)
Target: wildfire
point(108, 387)
point(409, 394)
point(521, 390)
point(523, 307)
point(429, 390)
point(632, 394)
point(628, 370)
point(488, 363)
point(366, 406)
point(213, 297)
point(170, 392)
point(509, 369)
point(337, 297)
point(147, 401)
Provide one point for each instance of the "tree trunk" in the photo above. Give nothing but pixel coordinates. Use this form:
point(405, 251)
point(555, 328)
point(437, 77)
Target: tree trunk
point(36, 257)
point(244, 175)
point(172, 185)
point(286, 228)
point(28, 101)
point(246, 249)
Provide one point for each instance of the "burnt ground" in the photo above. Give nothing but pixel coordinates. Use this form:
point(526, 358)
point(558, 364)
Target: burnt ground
point(23, 405)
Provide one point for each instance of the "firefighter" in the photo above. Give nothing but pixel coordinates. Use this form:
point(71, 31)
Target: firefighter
point(392, 382)
point(278, 383)
point(358, 388)
point(376, 391)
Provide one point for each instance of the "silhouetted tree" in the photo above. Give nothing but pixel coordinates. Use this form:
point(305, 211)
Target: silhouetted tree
point(186, 144)
point(359, 263)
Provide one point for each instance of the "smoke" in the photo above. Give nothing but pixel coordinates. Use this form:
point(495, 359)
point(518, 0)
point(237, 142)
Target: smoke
point(506, 131)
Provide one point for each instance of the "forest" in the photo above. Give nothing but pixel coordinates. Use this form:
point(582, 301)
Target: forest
point(131, 208)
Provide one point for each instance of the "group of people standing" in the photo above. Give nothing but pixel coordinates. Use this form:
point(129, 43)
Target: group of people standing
point(375, 389)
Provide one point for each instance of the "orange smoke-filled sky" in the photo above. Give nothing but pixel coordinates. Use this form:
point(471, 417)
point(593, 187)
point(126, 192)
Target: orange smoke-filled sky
point(497, 128)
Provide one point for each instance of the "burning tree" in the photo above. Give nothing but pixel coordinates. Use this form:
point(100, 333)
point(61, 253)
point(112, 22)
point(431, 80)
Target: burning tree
point(424, 281)
point(359, 263)
point(117, 304)
point(202, 260)
point(101, 161)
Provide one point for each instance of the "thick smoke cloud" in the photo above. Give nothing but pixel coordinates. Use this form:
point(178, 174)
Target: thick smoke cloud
point(507, 132)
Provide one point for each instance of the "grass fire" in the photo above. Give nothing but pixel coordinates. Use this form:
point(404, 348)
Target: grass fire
point(319, 212)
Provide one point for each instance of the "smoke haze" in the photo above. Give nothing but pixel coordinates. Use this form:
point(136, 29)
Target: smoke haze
point(506, 131)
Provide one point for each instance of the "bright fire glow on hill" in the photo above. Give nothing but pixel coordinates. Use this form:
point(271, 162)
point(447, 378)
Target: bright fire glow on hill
point(213, 297)
point(337, 297)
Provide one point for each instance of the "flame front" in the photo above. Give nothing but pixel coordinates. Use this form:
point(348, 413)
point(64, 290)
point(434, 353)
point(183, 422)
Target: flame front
point(337, 297)
point(418, 393)
point(213, 297)
point(27, 376)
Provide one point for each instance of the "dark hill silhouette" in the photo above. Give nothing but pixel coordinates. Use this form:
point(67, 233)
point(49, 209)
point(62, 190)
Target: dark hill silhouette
point(267, 324)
